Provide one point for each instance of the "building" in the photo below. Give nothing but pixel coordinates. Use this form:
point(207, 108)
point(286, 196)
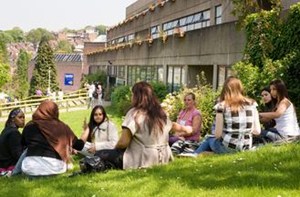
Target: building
point(172, 41)
point(70, 70)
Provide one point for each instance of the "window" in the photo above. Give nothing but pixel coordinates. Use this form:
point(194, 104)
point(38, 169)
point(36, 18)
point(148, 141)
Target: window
point(175, 77)
point(130, 37)
point(218, 14)
point(190, 19)
point(182, 22)
point(154, 32)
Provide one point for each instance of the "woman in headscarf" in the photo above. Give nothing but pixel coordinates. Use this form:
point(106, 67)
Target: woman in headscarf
point(49, 142)
point(10, 141)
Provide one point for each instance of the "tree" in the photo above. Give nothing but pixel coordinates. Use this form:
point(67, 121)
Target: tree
point(4, 67)
point(35, 35)
point(243, 8)
point(64, 46)
point(4, 74)
point(21, 76)
point(44, 70)
point(101, 29)
point(16, 33)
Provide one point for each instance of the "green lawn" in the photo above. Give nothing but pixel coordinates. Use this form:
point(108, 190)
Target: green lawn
point(269, 171)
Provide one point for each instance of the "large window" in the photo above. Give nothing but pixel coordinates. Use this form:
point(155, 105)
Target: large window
point(218, 14)
point(176, 77)
point(144, 73)
point(154, 32)
point(188, 23)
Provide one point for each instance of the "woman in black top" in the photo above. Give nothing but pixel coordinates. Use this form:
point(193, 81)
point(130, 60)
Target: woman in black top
point(48, 142)
point(10, 140)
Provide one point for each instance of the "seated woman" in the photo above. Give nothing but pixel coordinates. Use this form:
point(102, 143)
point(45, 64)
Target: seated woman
point(99, 133)
point(10, 141)
point(188, 125)
point(48, 142)
point(145, 133)
point(268, 106)
point(287, 127)
point(236, 121)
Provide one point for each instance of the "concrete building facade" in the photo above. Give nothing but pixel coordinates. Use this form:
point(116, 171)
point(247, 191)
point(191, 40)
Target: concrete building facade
point(172, 41)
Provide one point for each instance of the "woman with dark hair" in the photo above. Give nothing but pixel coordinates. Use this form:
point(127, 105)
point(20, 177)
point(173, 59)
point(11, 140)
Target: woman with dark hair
point(268, 106)
point(145, 133)
point(10, 141)
point(49, 142)
point(99, 133)
point(287, 127)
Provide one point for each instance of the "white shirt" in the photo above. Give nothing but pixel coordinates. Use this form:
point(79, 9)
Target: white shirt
point(287, 124)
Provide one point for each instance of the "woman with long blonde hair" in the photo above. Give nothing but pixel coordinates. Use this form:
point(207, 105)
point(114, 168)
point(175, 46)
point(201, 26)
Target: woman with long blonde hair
point(236, 121)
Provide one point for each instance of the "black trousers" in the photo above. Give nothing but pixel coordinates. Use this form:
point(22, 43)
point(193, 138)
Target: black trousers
point(112, 156)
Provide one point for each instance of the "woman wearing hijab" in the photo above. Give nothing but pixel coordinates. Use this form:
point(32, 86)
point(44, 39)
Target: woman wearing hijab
point(10, 141)
point(49, 142)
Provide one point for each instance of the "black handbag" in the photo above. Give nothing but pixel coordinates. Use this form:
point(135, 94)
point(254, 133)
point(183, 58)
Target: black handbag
point(92, 164)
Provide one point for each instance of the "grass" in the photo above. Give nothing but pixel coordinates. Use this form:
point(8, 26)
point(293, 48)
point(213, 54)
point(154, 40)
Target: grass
point(269, 171)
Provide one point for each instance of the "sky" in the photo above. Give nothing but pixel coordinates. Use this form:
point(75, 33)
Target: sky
point(54, 15)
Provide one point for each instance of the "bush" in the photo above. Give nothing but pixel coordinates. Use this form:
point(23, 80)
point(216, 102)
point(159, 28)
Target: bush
point(205, 99)
point(121, 99)
point(160, 90)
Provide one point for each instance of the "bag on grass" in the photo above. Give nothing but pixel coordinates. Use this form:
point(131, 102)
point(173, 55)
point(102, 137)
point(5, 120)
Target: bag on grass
point(92, 164)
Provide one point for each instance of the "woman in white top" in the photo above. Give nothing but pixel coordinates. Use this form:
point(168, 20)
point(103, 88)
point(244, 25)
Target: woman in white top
point(99, 133)
point(284, 115)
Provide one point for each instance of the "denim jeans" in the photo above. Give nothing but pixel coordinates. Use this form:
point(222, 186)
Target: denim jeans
point(18, 166)
point(212, 144)
point(271, 134)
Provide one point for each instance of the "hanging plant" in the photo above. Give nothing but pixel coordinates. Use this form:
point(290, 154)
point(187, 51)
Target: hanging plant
point(151, 7)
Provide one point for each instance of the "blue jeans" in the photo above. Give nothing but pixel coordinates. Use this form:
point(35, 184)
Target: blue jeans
point(271, 134)
point(212, 144)
point(18, 166)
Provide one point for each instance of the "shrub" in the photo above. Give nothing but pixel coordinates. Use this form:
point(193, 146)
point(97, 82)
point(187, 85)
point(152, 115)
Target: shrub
point(160, 90)
point(121, 99)
point(205, 99)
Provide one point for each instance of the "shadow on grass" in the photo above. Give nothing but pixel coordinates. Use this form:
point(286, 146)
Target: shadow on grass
point(268, 168)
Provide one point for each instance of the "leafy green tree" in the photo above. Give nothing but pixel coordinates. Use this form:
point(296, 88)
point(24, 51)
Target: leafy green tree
point(21, 75)
point(4, 67)
point(17, 34)
point(272, 50)
point(35, 35)
point(4, 74)
point(64, 47)
point(5, 38)
point(101, 29)
point(243, 8)
point(44, 70)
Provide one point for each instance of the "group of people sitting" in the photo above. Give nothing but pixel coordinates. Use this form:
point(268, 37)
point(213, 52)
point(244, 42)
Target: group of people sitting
point(45, 146)
point(237, 124)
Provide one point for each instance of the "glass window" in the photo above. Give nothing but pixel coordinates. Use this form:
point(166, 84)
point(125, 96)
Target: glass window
point(153, 30)
point(182, 21)
point(197, 17)
point(206, 15)
point(190, 19)
point(218, 12)
point(131, 37)
point(175, 77)
point(175, 23)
